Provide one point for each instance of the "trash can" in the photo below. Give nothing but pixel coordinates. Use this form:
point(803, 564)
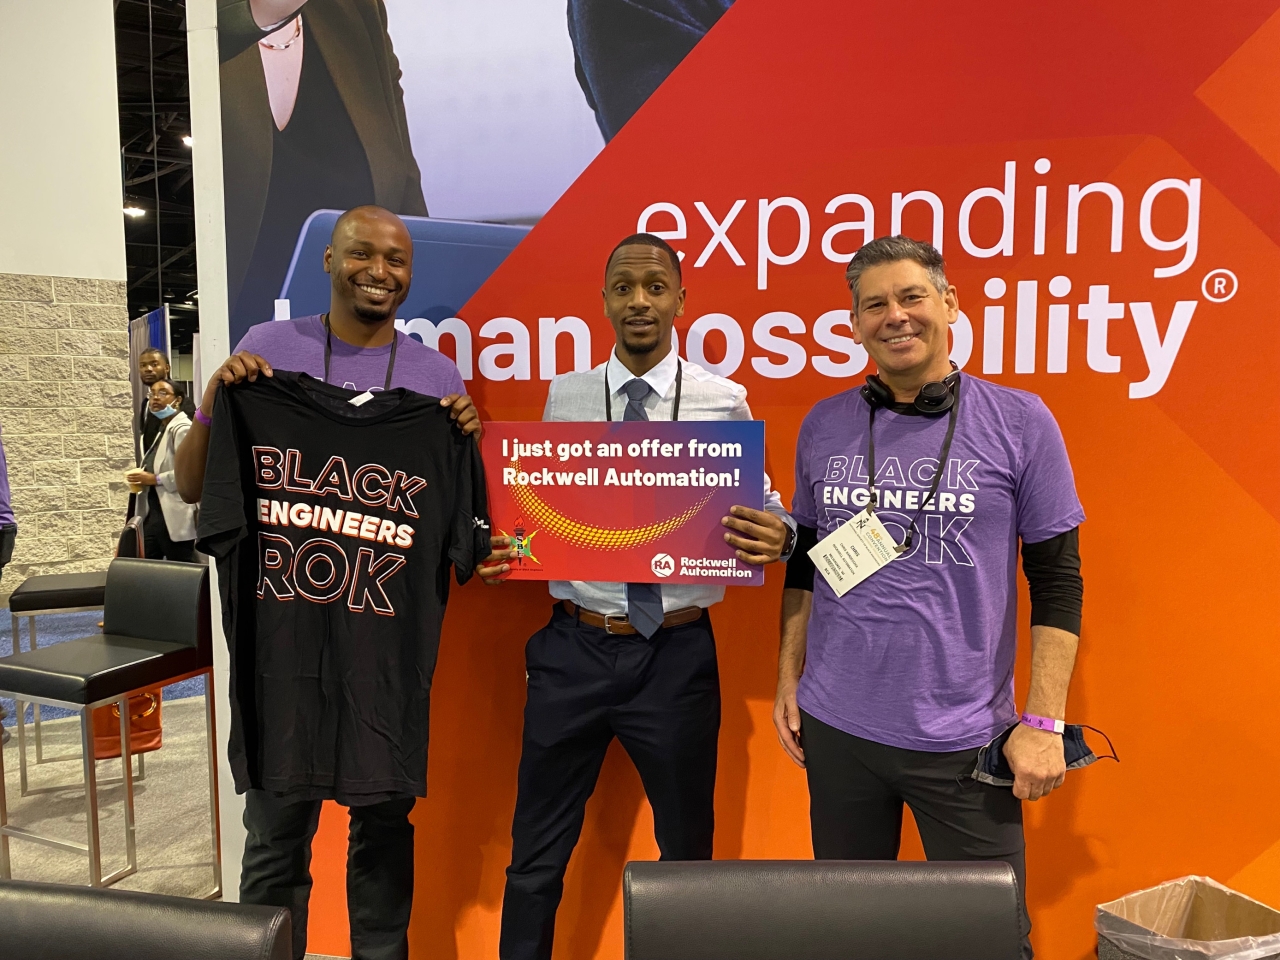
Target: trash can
point(1188, 919)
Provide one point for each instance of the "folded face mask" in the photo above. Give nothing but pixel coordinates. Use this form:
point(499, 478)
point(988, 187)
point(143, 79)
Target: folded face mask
point(993, 768)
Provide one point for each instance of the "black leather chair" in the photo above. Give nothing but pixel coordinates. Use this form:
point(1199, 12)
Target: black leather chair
point(820, 910)
point(156, 631)
point(52, 920)
point(34, 597)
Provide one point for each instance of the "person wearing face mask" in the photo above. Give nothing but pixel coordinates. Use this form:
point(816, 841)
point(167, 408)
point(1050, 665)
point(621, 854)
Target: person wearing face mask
point(890, 690)
point(168, 524)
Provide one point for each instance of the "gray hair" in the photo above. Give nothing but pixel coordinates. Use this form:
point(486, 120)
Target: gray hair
point(884, 250)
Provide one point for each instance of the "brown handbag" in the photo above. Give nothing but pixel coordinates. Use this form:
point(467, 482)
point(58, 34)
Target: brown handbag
point(144, 726)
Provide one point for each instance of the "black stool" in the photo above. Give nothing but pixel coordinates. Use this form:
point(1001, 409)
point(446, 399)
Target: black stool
point(51, 593)
point(156, 631)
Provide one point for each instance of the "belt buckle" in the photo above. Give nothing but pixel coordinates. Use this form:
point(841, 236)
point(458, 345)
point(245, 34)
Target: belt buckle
point(609, 620)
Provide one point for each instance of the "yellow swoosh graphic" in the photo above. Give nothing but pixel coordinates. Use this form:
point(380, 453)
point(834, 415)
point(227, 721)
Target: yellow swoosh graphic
point(578, 534)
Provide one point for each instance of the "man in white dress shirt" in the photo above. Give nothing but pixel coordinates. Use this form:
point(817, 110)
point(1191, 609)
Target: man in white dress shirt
point(632, 661)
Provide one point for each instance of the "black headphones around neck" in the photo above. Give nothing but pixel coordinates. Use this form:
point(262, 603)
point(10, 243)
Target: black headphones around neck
point(935, 397)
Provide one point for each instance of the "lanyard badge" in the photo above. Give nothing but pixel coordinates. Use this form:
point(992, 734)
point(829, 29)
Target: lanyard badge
point(862, 545)
point(365, 397)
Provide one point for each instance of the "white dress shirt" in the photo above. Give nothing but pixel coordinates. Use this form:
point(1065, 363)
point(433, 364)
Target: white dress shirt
point(703, 396)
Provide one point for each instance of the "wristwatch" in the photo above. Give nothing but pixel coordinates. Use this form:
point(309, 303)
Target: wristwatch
point(788, 545)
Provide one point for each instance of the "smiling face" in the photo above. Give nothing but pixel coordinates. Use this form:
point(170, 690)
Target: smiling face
point(162, 396)
point(370, 260)
point(901, 319)
point(642, 298)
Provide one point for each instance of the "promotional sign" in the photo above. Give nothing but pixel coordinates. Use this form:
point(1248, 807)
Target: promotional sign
point(635, 502)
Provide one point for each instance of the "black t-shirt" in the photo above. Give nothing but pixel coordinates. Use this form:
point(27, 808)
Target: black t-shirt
point(334, 527)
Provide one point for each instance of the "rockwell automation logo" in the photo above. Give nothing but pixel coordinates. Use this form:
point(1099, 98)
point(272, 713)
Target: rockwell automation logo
point(663, 565)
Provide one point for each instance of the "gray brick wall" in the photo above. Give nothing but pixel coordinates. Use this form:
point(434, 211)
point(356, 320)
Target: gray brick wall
point(65, 413)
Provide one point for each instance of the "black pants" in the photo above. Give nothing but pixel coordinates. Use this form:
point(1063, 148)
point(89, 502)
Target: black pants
point(661, 699)
point(277, 869)
point(8, 537)
point(156, 544)
point(857, 788)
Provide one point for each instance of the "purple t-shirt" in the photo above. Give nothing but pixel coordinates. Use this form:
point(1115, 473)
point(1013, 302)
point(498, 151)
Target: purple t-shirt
point(298, 345)
point(6, 508)
point(920, 654)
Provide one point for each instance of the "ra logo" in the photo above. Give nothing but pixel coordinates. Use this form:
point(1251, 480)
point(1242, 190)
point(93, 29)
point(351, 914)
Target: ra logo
point(663, 565)
point(521, 542)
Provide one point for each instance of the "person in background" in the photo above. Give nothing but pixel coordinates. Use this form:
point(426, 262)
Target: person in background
point(8, 525)
point(153, 365)
point(8, 532)
point(168, 523)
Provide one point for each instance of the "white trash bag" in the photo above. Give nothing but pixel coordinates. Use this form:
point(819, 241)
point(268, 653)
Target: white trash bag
point(1188, 919)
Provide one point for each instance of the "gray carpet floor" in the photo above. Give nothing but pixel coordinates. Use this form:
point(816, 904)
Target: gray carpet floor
point(171, 808)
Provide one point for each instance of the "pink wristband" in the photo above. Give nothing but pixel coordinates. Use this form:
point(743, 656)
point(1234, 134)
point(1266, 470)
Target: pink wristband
point(1044, 723)
point(202, 418)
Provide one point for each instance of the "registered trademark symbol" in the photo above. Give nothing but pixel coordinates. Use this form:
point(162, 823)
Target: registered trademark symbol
point(1219, 285)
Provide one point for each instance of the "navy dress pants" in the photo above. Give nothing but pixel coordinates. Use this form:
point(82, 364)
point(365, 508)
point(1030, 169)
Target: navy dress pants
point(661, 698)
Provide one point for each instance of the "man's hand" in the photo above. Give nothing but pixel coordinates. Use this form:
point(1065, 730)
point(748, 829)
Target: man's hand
point(241, 366)
point(142, 478)
point(763, 535)
point(492, 567)
point(1037, 761)
point(786, 720)
point(464, 411)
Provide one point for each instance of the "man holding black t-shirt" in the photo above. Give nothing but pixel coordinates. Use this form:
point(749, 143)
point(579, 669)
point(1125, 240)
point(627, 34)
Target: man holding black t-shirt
point(309, 626)
point(888, 690)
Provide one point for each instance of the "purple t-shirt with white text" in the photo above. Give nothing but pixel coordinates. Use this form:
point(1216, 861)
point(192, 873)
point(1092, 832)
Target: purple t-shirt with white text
point(298, 345)
point(920, 654)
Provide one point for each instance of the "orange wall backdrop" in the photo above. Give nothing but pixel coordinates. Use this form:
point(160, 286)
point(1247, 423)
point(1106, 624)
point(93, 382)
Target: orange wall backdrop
point(1173, 105)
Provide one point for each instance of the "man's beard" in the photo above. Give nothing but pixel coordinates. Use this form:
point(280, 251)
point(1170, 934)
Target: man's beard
point(641, 349)
point(373, 314)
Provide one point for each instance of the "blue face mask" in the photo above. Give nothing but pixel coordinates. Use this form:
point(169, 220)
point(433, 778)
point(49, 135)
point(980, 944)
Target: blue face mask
point(164, 413)
point(994, 769)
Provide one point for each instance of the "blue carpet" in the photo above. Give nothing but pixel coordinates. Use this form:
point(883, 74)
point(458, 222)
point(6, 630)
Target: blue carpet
point(57, 627)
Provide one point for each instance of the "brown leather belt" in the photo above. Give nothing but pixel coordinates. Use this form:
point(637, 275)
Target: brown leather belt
point(620, 625)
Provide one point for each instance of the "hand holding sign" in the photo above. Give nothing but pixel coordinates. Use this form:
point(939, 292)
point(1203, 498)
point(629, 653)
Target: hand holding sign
point(658, 502)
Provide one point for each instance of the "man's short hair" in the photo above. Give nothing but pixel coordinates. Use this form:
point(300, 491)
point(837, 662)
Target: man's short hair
point(155, 350)
point(647, 240)
point(884, 250)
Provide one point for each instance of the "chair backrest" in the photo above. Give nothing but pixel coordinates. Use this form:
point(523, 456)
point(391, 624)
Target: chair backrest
point(53, 920)
point(131, 541)
point(159, 600)
point(820, 910)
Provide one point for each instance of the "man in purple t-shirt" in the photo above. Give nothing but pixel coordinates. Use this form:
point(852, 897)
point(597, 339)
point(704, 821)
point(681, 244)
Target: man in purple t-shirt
point(887, 693)
point(356, 345)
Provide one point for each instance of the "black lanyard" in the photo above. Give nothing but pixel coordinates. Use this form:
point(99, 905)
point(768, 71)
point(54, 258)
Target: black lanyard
point(937, 477)
point(675, 409)
point(328, 352)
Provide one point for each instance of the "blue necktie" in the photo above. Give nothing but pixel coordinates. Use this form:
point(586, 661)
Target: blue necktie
point(644, 600)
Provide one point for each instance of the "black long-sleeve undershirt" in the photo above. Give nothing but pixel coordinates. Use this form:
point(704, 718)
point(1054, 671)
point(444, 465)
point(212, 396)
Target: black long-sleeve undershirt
point(1052, 568)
